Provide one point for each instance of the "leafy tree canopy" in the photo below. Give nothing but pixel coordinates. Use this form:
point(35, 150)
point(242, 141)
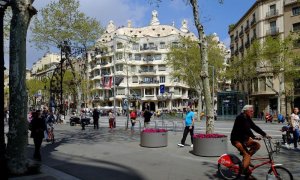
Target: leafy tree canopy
point(62, 21)
point(185, 60)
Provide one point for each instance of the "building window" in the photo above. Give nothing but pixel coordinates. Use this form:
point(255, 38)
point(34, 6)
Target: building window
point(161, 67)
point(162, 45)
point(149, 92)
point(296, 11)
point(262, 84)
point(162, 79)
point(296, 27)
point(121, 91)
point(137, 57)
point(135, 46)
point(135, 79)
point(176, 91)
point(119, 67)
point(133, 69)
point(119, 56)
point(119, 45)
point(157, 56)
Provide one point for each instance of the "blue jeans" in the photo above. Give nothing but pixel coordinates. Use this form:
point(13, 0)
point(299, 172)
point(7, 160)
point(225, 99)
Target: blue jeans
point(296, 137)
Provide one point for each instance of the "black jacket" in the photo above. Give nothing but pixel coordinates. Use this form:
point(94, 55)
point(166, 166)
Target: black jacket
point(242, 129)
point(38, 127)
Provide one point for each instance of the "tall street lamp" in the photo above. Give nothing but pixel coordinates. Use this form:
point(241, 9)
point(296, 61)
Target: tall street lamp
point(3, 6)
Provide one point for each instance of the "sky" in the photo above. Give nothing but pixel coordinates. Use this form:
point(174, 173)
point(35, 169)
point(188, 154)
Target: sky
point(214, 16)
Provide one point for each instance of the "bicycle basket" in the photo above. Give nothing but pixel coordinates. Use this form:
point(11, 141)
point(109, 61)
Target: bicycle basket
point(272, 145)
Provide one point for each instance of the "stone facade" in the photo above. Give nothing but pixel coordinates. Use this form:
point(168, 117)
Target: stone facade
point(138, 56)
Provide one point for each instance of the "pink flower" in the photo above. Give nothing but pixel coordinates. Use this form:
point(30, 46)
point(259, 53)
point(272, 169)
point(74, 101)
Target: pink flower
point(153, 130)
point(209, 135)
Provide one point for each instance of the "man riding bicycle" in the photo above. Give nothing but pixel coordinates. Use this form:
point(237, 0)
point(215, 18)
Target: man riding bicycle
point(243, 138)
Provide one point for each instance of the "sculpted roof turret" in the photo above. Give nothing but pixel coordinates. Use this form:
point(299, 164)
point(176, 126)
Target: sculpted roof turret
point(155, 29)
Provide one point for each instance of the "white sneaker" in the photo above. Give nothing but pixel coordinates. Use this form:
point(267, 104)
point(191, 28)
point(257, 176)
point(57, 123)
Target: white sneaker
point(286, 145)
point(180, 145)
point(192, 145)
point(297, 148)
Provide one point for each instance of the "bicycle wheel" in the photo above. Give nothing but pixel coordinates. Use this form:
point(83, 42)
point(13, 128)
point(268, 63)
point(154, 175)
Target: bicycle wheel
point(230, 173)
point(282, 173)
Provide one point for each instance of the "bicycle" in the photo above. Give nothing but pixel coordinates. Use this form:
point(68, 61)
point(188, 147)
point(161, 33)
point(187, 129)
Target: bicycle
point(230, 166)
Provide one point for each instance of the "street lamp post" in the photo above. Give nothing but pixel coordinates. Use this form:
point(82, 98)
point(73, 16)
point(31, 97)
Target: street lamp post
point(3, 6)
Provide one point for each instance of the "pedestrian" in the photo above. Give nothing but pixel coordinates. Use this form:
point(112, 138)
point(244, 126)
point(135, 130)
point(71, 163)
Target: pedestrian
point(96, 115)
point(189, 127)
point(147, 116)
point(133, 116)
point(294, 126)
point(83, 119)
point(37, 128)
point(111, 119)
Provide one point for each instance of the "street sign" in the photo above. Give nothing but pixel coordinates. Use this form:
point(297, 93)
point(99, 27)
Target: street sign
point(162, 89)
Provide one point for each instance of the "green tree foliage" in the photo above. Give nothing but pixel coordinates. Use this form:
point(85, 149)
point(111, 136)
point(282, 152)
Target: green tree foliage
point(62, 21)
point(182, 60)
point(33, 86)
point(270, 58)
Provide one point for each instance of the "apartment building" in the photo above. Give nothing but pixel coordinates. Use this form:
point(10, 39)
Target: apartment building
point(292, 26)
point(44, 67)
point(142, 77)
point(264, 18)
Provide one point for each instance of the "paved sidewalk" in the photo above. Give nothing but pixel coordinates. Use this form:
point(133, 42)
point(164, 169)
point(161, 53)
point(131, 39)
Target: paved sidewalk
point(116, 154)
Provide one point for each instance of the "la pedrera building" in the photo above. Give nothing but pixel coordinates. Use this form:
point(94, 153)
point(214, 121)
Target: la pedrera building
point(141, 78)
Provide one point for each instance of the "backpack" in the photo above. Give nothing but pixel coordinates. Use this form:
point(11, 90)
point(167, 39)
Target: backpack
point(132, 114)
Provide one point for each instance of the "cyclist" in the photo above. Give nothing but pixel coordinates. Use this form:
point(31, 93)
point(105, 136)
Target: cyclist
point(243, 138)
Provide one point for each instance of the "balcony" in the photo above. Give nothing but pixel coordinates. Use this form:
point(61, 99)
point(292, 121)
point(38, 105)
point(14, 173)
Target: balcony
point(272, 31)
point(149, 82)
point(146, 71)
point(241, 33)
point(145, 48)
point(236, 38)
point(247, 44)
point(241, 48)
point(253, 22)
point(272, 13)
point(247, 28)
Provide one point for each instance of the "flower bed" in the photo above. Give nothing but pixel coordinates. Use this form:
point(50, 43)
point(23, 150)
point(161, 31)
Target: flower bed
point(154, 137)
point(210, 144)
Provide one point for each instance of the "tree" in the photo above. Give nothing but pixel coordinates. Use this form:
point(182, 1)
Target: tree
point(62, 21)
point(270, 58)
point(22, 12)
point(182, 60)
point(33, 86)
point(204, 65)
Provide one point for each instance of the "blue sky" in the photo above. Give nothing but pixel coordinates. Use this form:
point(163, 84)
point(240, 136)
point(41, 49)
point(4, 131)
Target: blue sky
point(214, 16)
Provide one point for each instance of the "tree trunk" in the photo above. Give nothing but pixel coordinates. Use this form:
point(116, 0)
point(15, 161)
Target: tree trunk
point(18, 124)
point(199, 104)
point(204, 70)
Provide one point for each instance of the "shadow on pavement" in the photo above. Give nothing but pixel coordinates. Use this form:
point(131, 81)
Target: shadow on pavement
point(89, 168)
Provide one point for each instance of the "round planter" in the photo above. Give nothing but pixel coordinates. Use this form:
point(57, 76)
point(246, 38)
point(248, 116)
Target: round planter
point(210, 146)
point(157, 139)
